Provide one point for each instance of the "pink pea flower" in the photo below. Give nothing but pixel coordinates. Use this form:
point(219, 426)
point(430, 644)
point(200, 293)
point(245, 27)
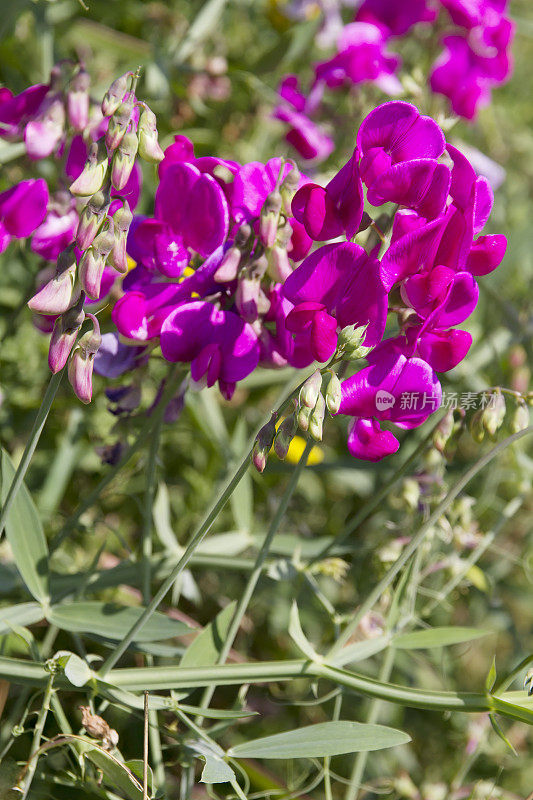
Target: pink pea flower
point(397, 17)
point(22, 210)
point(307, 138)
point(58, 228)
point(17, 110)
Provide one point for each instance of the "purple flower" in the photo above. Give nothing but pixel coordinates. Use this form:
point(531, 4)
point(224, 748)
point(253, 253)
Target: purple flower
point(361, 57)
point(56, 232)
point(16, 110)
point(22, 209)
point(307, 138)
point(218, 344)
point(328, 212)
point(471, 13)
point(76, 158)
point(251, 186)
point(397, 17)
point(114, 358)
point(336, 286)
point(392, 388)
point(152, 243)
point(194, 206)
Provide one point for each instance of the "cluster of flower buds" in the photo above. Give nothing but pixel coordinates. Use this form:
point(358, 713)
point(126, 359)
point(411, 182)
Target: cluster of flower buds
point(100, 243)
point(495, 413)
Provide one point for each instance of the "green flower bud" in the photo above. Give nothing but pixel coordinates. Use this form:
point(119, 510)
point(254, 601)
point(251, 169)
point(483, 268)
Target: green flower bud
point(333, 393)
point(311, 389)
point(316, 421)
point(92, 178)
point(494, 413)
point(350, 343)
point(149, 147)
point(520, 418)
point(303, 417)
point(118, 124)
point(263, 444)
point(115, 94)
point(476, 426)
point(284, 436)
point(91, 219)
point(124, 160)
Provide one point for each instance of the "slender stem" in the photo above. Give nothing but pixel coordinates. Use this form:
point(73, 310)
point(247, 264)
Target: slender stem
point(145, 749)
point(352, 790)
point(257, 570)
point(416, 541)
point(37, 736)
point(35, 433)
point(198, 537)
point(138, 444)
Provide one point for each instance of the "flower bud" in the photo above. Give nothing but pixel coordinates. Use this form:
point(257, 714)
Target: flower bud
point(118, 124)
point(316, 421)
point(263, 444)
point(80, 368)
point(279, 266)
point(229, 266)
point(443, 431)
point(289, 187)
point(243, 235)
point(91, 219)
point(124, 160)
point(333, 393)
point(311, 389)
point(92, 263)
point(92, 178)
point(258, 267)
point(64, 335)
point(476, 427)
point(149, 147)
point(247, 297)
point(284, 436)
point(303, 415)
point(78, 100)
point(494, 413)
point(269, 219)
point(520, 418)
point(350, 343)
point(122, 219)
point(115, 94)
point(62, 291)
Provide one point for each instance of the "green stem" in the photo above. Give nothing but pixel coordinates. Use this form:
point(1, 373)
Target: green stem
point(198, 537)
point(36, 743)
point(257, 570)
point(38, 425)
point(143, 436)
point(417, 540)
point(352, 790)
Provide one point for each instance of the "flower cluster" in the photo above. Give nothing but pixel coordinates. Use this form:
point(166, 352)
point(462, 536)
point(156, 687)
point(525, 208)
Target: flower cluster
point(82, 228)
point(225, 281)
point(476, 57)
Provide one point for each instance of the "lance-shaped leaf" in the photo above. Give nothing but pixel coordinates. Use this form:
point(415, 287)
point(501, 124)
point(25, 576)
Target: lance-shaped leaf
point(21, 614)
point(437, 637)
point(206, 648)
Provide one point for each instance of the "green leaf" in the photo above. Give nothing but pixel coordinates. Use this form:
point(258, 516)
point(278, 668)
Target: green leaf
point(498, 730)
point(205, 649)
point(298, 636)
point(437, 637)
point(25, 535)
point(490, 680)
point(162, 523)
point(116, 773)
point(77, 670)
point(319, 741)
point(136, 765)
point(216, 770)
point(112, 621)
point(358, 651)
point(21, 614)
point(217, 713)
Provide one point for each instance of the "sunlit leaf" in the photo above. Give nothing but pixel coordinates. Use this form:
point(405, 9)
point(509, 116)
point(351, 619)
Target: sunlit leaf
point(437, 637)
point(205, 649)
point(113, 621)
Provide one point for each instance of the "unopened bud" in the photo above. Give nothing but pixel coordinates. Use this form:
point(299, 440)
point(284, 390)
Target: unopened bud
point(289, 187)
point(115, 94)
point(246, 298)
point(350, 344)
point(443, 431)
point(80, 368)
point(91, 219)
point(520, 418)
point(78, 100)
point(494, 413)
point(64, 335)
point(92, 178)
point(269, 219)
point(118, 124)
point(62, 291)
point(149, 147)
point(284, 436)
point(333, 393)
point(124, 160)
point(92, 263)
point(303, 415)
point(311, 389)
point(229, 266)
point(263, 444)
point(476, 427)
point(316, 420)
point(122, 219)
point(279, 266)
point(243, 234)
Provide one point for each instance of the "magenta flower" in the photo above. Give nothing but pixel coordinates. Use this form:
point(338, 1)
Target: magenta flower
point(392, 388)
point(471, 13)
point(307, 138)
point(194, 206)
point(336, 286)
point(333, 210)
point(251, 186)
point(22, 210)
point(218, 344)
point(56, 232)
point(361, 56)
point(397, 17)
point(17, 110)
point(114, 358)
point(152, 243)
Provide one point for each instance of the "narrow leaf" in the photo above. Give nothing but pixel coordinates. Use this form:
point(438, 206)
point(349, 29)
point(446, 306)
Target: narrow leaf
point(358, 651)
point(25, 534)
point(21, 614)
point(205, 649)
point(437, 637)
point(216, 770)
point(116, 774)
point(298, 636)
point(490, 680)
point(319, 741)
point(112, 621)
point(498, 730)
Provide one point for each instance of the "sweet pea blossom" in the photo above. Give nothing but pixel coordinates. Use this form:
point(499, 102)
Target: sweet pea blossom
point(22, 210)
point(396, 17)
point(307, 138)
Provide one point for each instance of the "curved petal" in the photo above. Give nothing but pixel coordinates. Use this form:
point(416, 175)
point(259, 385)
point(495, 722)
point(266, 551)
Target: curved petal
point(368, 442)
point(486, 254)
